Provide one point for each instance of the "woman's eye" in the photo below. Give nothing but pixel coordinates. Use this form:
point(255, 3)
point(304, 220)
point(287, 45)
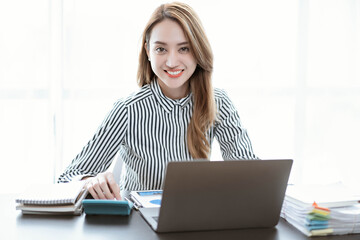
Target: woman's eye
point(184, 49)
point(160, 50)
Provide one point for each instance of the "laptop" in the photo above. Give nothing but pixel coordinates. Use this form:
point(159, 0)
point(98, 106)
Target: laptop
point(217, 195)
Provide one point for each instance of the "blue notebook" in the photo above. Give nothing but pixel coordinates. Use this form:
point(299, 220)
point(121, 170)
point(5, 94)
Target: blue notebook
point(107, 207)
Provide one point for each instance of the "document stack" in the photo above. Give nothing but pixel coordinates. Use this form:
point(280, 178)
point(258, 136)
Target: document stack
point(64, 198)
point(322, 210)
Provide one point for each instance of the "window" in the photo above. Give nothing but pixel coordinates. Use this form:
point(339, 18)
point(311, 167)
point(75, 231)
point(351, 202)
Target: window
point(290, 67)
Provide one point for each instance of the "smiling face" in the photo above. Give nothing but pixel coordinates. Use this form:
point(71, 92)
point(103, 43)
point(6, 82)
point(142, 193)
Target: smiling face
point(171, 58)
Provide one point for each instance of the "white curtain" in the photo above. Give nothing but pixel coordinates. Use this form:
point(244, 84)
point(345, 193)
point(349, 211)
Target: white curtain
point(290, 67)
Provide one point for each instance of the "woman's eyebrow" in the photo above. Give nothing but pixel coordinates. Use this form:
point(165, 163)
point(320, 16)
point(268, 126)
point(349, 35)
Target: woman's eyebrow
point(183, 43)
point(163, 43)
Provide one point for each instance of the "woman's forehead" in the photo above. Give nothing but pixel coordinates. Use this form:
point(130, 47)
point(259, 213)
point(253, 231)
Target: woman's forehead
point(167, 32)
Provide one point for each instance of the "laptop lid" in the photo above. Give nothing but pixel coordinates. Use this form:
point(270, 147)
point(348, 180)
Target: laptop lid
point(213, 195)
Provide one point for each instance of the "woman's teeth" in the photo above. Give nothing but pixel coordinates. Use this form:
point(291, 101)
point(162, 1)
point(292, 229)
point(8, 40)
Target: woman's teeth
point(174, 73)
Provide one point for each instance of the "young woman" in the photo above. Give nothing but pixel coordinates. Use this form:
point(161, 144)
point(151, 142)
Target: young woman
point(173, 117)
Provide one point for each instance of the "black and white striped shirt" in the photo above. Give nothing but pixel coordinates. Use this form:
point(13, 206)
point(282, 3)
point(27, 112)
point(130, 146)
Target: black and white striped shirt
point(149, 130)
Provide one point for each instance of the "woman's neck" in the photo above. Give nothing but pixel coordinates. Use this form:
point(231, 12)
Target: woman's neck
point(176, 93)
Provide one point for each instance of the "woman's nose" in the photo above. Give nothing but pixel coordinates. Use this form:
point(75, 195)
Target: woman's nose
point(172, 59)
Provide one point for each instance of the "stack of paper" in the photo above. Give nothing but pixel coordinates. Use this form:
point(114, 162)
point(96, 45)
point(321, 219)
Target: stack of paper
point(64, 198)
point(320, 211)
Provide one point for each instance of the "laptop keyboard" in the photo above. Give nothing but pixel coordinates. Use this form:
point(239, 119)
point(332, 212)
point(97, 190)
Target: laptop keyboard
point(156, 219)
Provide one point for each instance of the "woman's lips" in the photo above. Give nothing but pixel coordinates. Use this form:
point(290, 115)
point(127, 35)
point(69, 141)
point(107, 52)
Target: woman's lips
point(174, 73)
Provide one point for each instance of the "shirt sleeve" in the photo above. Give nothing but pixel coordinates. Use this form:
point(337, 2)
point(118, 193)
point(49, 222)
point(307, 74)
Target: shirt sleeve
point(97, 154)
point(232, 137)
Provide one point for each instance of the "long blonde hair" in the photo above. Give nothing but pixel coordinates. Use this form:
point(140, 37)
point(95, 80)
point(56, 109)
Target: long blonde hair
point(200, 82)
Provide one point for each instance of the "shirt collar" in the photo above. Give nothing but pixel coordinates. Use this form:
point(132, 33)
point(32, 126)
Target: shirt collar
point(167, 103)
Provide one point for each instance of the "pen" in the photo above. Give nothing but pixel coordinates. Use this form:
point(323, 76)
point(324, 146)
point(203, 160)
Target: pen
point(136, 205)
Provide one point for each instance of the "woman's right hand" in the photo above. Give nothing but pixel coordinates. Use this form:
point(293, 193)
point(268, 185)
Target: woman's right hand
point(103, 186)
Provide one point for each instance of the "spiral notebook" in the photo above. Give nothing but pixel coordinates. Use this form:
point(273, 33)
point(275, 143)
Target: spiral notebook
point(52, 194)
point(53, 198)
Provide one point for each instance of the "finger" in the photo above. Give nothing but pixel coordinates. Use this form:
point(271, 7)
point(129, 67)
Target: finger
point(91, 191)
point(97, 188)
point(104, 187)
point(115, 189)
